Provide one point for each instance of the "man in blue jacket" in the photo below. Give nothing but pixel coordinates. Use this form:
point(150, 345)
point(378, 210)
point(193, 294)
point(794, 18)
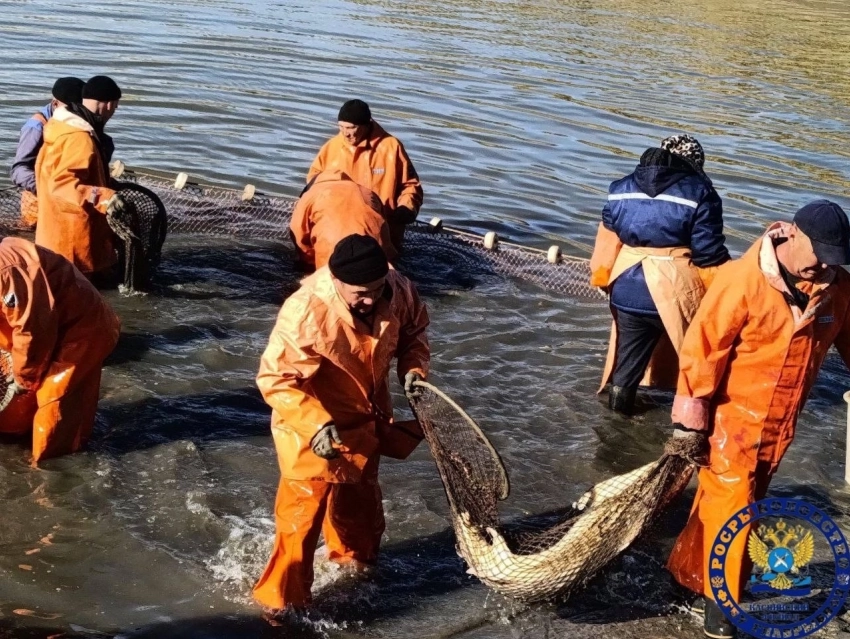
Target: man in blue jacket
point(65, 91)
point(661, 232)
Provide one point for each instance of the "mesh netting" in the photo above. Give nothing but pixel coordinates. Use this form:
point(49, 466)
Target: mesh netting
point(7, 389)
point(141, 226)
point(205, 210)
point(533, 561)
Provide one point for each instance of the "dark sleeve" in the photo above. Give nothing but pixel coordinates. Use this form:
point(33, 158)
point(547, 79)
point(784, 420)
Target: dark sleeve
point(708, 244)
point(108, 148)
point(23, 167)
point(607, 217)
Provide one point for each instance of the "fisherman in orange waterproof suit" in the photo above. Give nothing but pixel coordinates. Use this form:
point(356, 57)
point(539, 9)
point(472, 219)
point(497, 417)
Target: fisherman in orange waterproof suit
point(59, 330)
point(74, 195)
point(325, 375)
point(65, 91)
point(747, 364)
point(333, 207)
point(376, 160)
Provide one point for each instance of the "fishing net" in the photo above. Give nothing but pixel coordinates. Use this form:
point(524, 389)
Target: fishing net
point(7, 388)
point(141, 226)
point(195, 209)
point(537, 560)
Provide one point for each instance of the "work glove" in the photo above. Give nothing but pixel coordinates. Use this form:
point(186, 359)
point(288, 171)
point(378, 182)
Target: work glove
point(691, 445)
point(18, 389)
point(403, 215)
point(323, 441)
point(118, 217)
point(116, 204)
point(410, 390)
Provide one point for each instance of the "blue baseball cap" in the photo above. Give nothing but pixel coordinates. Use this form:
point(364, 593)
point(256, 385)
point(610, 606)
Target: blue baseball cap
point(826, 225)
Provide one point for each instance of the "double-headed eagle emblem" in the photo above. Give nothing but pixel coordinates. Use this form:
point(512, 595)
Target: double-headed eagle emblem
point(790, 549)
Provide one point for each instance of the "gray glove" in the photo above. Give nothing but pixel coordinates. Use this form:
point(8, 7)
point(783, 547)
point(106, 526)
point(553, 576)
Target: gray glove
point(118, 217)
point(116, 204)
point(18, 389)
point(410, 390)
point(688, 444)
point(323, 441)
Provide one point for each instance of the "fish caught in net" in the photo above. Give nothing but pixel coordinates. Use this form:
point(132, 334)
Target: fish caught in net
point(204, 210)
point(7, 377)
point(534, 563)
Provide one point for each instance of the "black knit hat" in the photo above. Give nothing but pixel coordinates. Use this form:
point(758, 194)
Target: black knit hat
point(355, 112)
point(101, 88)
point(68, 90)
point(826, 225)
point(358, 260)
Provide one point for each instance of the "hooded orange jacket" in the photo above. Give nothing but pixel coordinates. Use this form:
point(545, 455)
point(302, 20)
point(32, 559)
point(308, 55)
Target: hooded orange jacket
point(333, 208)
point(73, 188)
point(750, 357)
point(380, 163)
point(322, 366)
point(59, 330)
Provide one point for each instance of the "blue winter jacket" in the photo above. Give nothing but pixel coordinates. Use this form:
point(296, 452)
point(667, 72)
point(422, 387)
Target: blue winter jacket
point(665, 203)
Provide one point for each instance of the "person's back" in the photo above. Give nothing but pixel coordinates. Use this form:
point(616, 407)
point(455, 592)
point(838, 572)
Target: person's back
point(660, 237)
point(664, 203)
point(331, 208)
point(59, 330)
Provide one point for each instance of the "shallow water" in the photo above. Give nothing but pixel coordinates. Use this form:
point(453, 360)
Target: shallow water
point(517, 115)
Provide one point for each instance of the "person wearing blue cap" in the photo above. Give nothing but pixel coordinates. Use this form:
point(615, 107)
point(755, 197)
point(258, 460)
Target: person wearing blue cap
point(747, 364)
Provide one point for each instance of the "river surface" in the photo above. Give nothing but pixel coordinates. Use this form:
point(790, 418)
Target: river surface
point(517, 115)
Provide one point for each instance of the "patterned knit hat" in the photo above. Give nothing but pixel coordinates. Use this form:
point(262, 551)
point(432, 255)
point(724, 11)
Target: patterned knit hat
point(685, 146)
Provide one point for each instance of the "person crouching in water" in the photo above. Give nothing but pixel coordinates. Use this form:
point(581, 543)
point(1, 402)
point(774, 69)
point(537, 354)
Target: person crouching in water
point(74, 195)
point(58, 329)
point(325, 375)
point(660, 238)
point(330, 208)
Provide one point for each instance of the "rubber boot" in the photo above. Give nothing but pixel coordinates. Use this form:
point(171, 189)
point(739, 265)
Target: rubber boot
point(622, 399)
point(716, 625)
point(697, 606)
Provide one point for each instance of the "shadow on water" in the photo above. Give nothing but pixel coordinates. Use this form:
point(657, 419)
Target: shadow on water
point(132, 347)
point(202, 417)
point(263, 272)
point(267, 272)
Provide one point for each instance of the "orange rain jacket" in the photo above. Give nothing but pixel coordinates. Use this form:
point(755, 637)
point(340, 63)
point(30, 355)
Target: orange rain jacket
point(59, 330)
point(750, 358)
point(322, 366)
point(73, 188)
point(380, 163)
point(333, 208)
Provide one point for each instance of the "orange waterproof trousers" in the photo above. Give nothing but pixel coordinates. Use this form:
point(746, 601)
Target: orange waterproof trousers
point(719, 496)
point(60, 426)
point(351, 517)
